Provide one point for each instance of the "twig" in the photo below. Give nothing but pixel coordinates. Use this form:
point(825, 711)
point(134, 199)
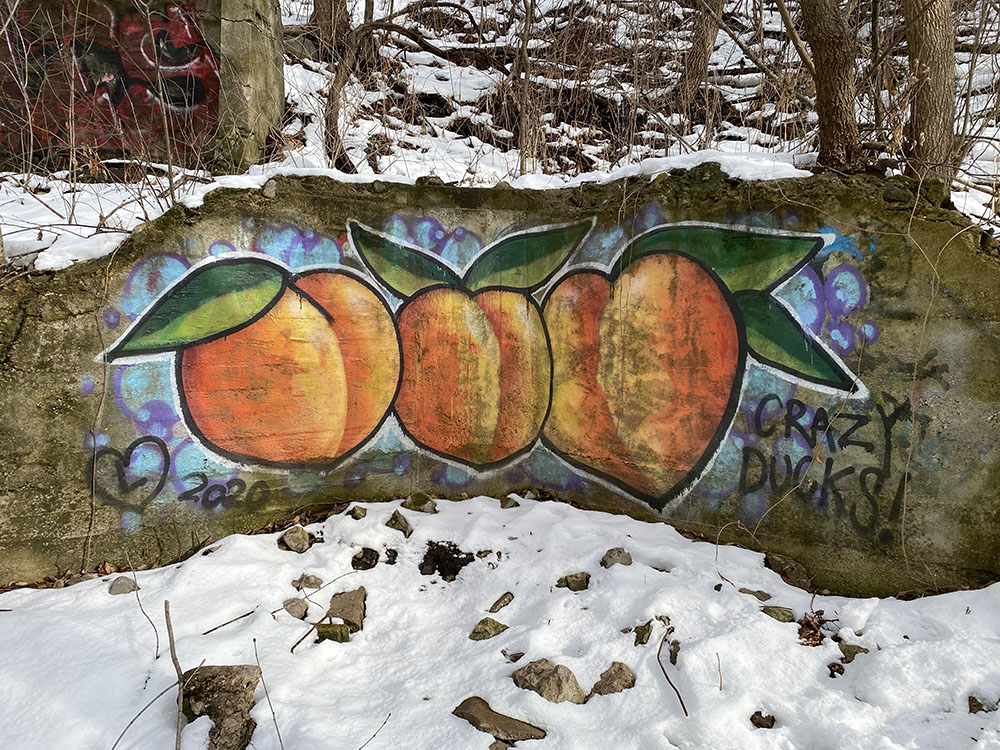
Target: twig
point(180, 673)
point(718, 665)
point(159, 695)
point(793, 34)
point(664, 670)
point(376, 731)
point(230, 622)
point(266, 694)
point(135, 580)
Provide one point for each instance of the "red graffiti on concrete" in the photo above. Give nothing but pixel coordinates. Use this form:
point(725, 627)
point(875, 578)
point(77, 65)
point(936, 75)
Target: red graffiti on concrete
point(88, 73)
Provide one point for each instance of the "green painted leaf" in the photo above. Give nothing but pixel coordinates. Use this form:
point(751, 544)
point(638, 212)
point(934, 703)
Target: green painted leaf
point(526, 260)
point(775, 338)
point(744, 259)
point(405, 269)
point(209, 302)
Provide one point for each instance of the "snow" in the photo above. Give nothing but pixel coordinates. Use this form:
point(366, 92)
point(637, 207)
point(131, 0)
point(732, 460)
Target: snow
point(81, 663)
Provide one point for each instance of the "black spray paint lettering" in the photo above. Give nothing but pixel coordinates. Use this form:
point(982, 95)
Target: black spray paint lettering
point(212, 495)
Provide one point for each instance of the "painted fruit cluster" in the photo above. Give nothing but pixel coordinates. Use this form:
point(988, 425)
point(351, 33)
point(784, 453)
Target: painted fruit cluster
point(631, 371)
point(274, 368)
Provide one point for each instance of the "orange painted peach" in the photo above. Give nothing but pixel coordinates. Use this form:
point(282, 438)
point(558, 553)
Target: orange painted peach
point(305, 383)
point(646, 369)
point(476, 373)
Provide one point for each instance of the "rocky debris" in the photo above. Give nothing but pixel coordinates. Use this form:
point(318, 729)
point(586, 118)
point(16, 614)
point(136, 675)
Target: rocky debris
point(554, 682)
point(505, 599)
point(508, 502)
point(349, 606)
point(390, 556)
point(122, 585)
point(977, 706)
point(499, 745)
point(486, 628)
point(420, 502)
point(849, 651)
point(762, 720)
point(297, 608)
point(574, 581)
point(614, 679)
point(296, 539)
point(357, 512)
point(836, 668)
point(484, 553)
point(530, 495)
point(513, 657)
point(504, 729)
point(642, 633)
point(307, 582)
point(616, 556)
point(225, 695)
point(444, 558)
point(332, 632)
point(781, 614)
point(790, 570)
point(398, 522)
point(762, 596)
point(365, 559)
point(71, 579)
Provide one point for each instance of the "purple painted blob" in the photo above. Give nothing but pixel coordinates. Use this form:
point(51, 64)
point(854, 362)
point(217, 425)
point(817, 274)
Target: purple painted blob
point(111, 317)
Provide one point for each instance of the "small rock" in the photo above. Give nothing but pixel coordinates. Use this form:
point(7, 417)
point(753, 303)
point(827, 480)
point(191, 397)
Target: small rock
point(477, 712)
point(307, 582)
point(225, 695)
point(616, 556)
point(791, 570)
point(642, 633)
point(122, 585)
point(390, 556)
point(781, 614)
point(420, 502)
point(616, 678)
point(508, 502)
point(555, 683)
point(349, 606)
point(357, 512)
point(762, 596)
point(297, 608)
point(850, 651)
point(502, 602)
point(499, 745)
point(483, 553)
point(514, 657)
point(398, 522)
point(336, 632)
point(486, 628)
point(530, 495)
point(295, 539)
point(574, 581)
point(835, 668)
point(366, 559)
point(269, 189)
point(977, 706)
point(762, 720)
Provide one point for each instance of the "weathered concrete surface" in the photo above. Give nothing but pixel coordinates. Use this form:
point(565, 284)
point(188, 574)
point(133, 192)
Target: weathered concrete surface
point(900, 494)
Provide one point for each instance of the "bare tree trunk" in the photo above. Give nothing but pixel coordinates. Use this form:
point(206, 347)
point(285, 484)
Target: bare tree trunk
point(833, 51)
point(332, 21)
point(706, 29)
point(930, 41)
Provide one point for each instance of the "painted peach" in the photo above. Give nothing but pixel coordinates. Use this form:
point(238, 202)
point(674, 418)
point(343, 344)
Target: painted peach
point(305, 383)
point(476, 372)
point(646, 369)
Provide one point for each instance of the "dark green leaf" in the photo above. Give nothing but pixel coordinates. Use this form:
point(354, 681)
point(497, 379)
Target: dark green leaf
point(775, 338)
point(405, 269)
point(744, 259)
point(526, 260)
point(210, 301)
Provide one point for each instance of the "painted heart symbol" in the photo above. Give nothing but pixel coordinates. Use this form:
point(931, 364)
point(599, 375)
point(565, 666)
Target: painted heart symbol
point(120, 496)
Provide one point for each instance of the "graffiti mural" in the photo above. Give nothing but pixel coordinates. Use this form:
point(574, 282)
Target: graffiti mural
point(560, 355)
point(101, 74)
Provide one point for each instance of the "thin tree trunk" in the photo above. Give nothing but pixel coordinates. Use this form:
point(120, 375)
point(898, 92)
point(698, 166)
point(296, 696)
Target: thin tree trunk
point(706, 29)
point(833, 50)
point(930, 41)
point(332, 21)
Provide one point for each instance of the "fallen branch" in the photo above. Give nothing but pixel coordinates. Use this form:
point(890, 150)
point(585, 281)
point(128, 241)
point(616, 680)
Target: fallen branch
point(230, 622)
point(180, 673)
point(664, 670)
point(267, 695)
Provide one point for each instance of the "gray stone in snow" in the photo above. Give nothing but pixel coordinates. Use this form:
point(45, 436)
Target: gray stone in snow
point(574, 581)
point(616, 678)
point(642, 633)
point(225, 695)
point(296, 539)
point(761, 596)
point(307, 582)
point(508, 502)
point(781, 614)
point(365, 559)
point(336, 632)
point(502, 602)
point(297, 608)
point(505, 729)
point(420, 502)
point(486, 628)
point(398, 522)
point(349, 606)
point(554, 682)
point(616, 556)
point(123, 585)
point(357, 512)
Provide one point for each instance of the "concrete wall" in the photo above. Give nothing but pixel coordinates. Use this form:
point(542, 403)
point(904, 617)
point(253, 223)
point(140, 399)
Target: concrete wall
point(195, 82)
point(807, 367)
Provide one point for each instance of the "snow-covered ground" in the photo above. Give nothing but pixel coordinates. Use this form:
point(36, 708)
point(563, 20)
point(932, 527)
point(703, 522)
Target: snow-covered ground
point(80, 663)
